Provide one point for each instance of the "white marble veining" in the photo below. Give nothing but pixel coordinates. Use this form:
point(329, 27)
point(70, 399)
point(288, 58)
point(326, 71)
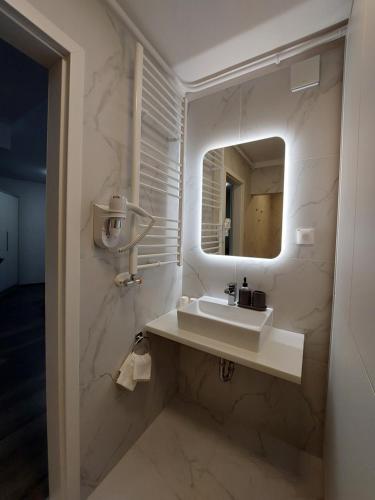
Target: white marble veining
point(299, 282)
point(299, 285)
point(255, 400)
point(185, 454)
point(111, 418)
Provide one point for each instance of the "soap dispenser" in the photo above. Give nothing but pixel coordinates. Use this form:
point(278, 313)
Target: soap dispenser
point(244, 296)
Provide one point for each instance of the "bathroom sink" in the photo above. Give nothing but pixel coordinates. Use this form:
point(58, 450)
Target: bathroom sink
point(214, 318)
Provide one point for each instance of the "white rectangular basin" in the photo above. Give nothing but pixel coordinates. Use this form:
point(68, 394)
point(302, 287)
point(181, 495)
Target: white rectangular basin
point(214, 318)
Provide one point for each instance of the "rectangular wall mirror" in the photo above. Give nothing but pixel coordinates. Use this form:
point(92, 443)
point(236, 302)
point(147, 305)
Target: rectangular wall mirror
point(242, 199)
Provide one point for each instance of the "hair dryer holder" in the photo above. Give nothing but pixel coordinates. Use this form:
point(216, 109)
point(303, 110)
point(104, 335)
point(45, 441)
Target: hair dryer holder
point(109, 221)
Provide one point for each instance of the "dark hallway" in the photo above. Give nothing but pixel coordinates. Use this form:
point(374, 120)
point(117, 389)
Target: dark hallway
point(23, 447)
point(23, 132)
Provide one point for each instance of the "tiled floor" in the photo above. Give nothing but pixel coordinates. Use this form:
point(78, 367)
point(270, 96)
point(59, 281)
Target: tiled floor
point(23, 439)
point(185, 455)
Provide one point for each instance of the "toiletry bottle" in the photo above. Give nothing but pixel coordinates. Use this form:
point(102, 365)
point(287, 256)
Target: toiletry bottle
point(244, 297)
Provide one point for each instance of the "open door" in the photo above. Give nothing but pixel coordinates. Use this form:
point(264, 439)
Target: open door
point(25, 28)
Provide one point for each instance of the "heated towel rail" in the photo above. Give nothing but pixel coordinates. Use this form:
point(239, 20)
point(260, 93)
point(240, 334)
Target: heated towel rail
point(213, 200)
point(158, 164)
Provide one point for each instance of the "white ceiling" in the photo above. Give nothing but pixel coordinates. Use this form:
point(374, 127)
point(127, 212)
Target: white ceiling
point(201, 37)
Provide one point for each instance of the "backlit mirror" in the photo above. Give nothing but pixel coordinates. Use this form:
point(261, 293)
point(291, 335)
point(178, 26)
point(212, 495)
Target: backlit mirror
point(242, 199)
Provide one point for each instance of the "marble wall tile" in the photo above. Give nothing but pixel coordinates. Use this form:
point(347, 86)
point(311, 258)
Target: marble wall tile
point(111, 418)
point(313, 185)
point(255, 401)
point(299, 282)
point(308, 120)
point(202, 279)
point(216, 119)
point(126, 414)
point(300, 291)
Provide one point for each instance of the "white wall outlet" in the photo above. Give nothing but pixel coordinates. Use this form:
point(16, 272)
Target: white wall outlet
point(305, 236)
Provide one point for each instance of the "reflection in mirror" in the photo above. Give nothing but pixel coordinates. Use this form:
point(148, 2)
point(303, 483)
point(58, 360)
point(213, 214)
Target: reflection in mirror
point(242, 199)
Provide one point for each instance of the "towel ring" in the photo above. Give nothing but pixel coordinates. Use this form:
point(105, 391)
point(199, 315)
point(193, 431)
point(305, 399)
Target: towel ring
point(141, 339)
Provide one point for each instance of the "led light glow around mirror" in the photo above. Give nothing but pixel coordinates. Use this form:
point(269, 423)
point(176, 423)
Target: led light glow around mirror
point(223, 260)
point(242, 199)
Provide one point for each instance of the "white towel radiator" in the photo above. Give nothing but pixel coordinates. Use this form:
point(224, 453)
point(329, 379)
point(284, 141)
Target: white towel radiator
point(158, 164)
point(213, 202)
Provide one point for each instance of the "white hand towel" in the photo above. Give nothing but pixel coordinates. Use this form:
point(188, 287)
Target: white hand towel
point(126, 379)
point(142, 367)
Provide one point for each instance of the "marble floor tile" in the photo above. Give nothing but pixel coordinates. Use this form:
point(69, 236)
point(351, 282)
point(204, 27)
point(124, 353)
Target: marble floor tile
point(186, 455)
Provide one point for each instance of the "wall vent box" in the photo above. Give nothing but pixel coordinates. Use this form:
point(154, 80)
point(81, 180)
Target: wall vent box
point(305, 74)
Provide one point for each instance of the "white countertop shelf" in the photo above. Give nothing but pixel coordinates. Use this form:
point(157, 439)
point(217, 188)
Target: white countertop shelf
point(281, 354)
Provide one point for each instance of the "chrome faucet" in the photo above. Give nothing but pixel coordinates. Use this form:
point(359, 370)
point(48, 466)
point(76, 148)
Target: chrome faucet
point(231, 291)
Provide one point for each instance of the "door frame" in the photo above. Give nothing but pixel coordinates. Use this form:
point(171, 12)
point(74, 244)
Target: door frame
point(238, 211)
point(28, 30)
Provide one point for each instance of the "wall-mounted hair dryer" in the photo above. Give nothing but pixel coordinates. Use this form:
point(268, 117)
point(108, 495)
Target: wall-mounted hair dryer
point(109, 220)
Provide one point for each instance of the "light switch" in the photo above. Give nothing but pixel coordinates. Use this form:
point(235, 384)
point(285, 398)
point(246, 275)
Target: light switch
point(305, 236)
